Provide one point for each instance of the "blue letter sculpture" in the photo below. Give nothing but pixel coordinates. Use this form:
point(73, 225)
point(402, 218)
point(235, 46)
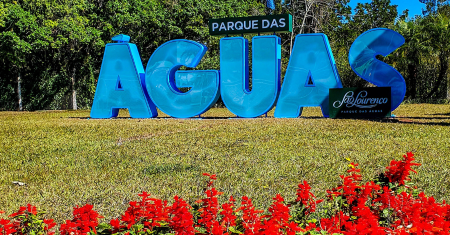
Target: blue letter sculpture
point(120, 84)
point(163, 80)
point(310, 74)
point(234, 74)
point(362, 60)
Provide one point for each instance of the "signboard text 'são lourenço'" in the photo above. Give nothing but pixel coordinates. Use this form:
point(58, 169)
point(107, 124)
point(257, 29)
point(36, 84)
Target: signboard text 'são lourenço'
point(367, 102)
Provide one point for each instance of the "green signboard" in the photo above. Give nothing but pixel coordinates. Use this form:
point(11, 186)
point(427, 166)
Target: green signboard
point(253, 24)
point(369, 102)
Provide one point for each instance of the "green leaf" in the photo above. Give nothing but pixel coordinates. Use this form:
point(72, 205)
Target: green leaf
point(201, 229)
point(234, 230)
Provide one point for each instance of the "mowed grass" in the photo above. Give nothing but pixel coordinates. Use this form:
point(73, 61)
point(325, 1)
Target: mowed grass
point(67, 159)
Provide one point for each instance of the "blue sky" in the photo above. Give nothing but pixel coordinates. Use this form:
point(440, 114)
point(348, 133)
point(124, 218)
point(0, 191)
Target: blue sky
point(414, 6)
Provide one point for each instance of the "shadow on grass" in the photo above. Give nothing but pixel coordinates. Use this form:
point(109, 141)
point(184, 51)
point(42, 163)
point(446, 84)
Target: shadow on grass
point(425, 118)
point(193, 118)
point(399, 120)
point(441, 114)
point(407, 120)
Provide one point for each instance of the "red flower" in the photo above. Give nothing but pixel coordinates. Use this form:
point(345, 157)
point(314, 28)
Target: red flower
point(216, 229)
point(115, 223)
point(335, 224)
point(350, 186)
point(209, 209)
point(21, 211)
point(398, 171)
point(6, 227)
point(181, 221)
point(306, 198)
point(292, 228)
point(31, 209)
point(229, 218)
point(50, 224)
point(251, 220)
point(279, 217)
point(149, 211)
point(84, 221)
point(309, 227)
point(361, 209)
point(211, 177)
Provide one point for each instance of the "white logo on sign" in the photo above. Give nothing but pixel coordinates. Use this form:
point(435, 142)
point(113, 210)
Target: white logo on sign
point(360, 101)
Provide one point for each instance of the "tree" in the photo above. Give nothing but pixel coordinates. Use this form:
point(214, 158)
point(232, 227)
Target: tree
point(344, 27)
point(3, 13)
point(438, 27)
point(416, 47)
point(309, 16)
point(376, 14)
point(57, 46)
point(20, 35)
point(432, 6)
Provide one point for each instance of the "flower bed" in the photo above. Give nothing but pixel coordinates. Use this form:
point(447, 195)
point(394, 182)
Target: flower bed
point(387, 205)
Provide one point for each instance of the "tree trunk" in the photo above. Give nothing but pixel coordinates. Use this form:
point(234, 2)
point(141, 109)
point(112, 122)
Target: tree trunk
point(443, 67)
point(74, 91)
point(293, 26)
point(19, 93)
point(292, 37)
point(448, 87)
point(412, 70)
point(304, 17)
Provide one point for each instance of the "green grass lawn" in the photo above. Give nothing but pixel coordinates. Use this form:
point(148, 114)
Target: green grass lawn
point(67, 159)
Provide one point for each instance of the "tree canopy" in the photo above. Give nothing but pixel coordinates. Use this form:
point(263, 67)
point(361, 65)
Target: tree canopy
point(51, 51)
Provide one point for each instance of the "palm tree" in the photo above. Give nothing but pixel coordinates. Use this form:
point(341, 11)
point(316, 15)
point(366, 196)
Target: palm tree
point(416, 46)
point(438, 28)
